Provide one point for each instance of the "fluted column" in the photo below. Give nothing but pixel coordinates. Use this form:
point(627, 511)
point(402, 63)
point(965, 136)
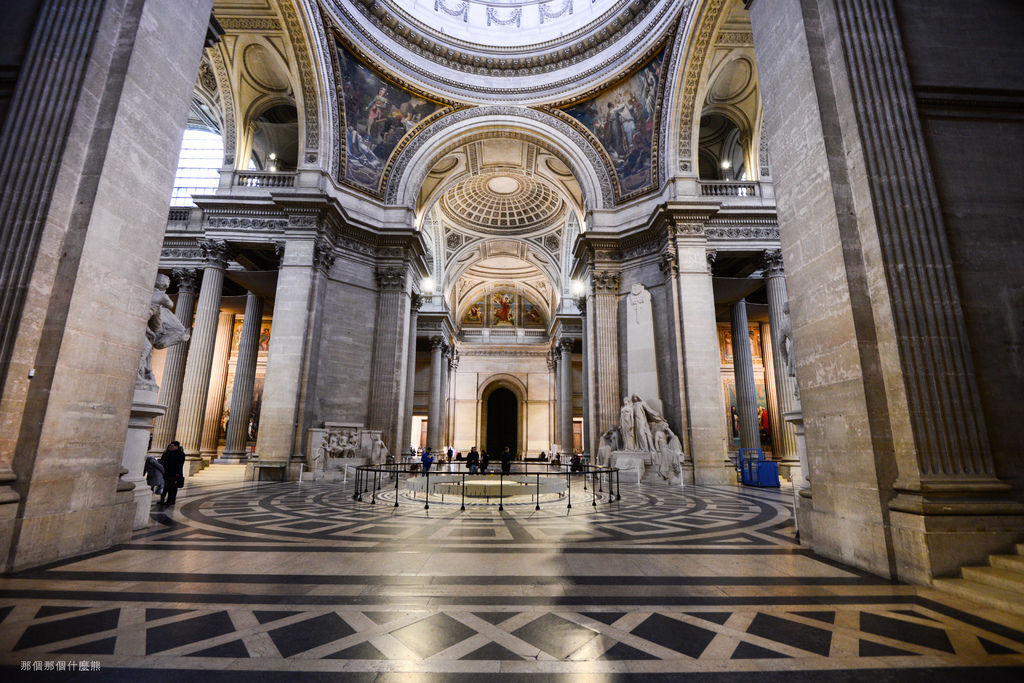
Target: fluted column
point(410, 383)
point(605, 286)
point(187, 281)
point(200, 353)
point(782, 357)
point(437, 348)
point(565, 394)
point(743, 370)
point(245, 379)
point(390, 353)
point(218, 386)
point(581, 304)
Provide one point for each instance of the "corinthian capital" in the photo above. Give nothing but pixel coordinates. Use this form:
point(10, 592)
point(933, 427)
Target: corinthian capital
point(215, 252)
point(773, 263)
point(605, 282)
point(391, 277)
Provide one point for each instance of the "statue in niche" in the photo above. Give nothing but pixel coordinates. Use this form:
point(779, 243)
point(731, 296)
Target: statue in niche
point(638, 297)
point(163, 329)
point(608, 442)
point(626, 425)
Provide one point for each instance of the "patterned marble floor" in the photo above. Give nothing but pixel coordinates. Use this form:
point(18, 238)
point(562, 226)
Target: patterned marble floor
point(297, 581)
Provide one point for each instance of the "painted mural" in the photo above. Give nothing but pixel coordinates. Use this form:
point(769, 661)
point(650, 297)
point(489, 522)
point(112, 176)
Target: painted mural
point(378, 115)
point(503, 311)
point(532, 316)
point(623, 120)
point(474, 314)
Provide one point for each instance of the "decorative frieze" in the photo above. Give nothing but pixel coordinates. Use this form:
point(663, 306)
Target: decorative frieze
point(742, 233)
point(247, 223)
point(181, 254)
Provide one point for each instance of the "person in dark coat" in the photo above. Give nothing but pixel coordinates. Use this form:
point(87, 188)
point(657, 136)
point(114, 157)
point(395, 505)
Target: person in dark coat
point(506, 460)
point(154, 473)
point(473, 460)
point(484, 461)
point(173, 460)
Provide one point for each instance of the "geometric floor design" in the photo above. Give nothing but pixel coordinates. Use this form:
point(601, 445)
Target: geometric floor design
point(295, 581)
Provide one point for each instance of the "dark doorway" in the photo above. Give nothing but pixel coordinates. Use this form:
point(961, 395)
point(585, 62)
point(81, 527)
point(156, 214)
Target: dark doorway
point(502, 422)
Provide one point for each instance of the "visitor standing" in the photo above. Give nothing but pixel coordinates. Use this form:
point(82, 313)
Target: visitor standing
point(484, 462)
point(173, 461)
point(473, 460)
point(506, 460)
point(426, 460)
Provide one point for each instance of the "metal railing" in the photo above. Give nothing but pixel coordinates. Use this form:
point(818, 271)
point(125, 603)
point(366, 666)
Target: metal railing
point(370, 479)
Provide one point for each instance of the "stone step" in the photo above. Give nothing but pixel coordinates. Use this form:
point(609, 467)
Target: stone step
point(994, 576)
point(1013, 563)
point(1008, 601)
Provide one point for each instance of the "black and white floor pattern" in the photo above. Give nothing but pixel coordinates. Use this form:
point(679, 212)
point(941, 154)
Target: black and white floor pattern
point(298, 580)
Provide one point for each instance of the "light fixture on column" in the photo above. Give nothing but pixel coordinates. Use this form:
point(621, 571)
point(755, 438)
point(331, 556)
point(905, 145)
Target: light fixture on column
point(271, 163)
point(427, 285)
point(578, 288)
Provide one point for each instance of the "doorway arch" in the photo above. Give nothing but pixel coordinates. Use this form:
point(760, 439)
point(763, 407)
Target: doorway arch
point(503, 414)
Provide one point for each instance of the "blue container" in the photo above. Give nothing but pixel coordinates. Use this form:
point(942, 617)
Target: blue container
point(755, 470)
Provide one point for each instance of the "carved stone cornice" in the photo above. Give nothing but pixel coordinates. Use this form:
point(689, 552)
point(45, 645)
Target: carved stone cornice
point(247, 223)
point(415, 302)
point(323, 255)
point(605, 282)
point(712, 255)
point(391, 277)
point(215, 252)
point(186, 280)
point(773, 263)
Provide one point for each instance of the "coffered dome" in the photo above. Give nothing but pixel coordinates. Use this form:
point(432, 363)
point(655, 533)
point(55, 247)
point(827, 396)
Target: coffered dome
point(503, 203)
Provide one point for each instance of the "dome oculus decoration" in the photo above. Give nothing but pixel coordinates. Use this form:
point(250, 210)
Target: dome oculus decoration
point(499, 203)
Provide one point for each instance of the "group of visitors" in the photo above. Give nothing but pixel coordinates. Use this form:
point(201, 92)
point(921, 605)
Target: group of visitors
point(166, 475)
point(476, 461)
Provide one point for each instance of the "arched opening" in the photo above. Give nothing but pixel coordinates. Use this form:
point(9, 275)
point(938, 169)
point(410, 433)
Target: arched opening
point(502, 421)
point(722, 155)
point(275, 139)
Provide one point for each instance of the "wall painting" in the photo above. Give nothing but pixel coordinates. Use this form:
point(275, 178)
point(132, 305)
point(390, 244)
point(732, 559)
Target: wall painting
point(378, 115)
point(623, 120)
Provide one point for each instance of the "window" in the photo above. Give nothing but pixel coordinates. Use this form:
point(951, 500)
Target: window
point(202, 153)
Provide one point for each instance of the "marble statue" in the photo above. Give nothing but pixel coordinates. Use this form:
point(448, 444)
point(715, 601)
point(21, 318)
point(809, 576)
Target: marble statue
point(668, 452)
point(626, 425)
point(786, 342)
point(332, 445)
point(608, 442)
point(378, 452)
point(163, 329)
point(643, 419)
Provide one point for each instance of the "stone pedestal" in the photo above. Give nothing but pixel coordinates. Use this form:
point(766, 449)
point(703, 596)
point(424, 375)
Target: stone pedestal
point(136, 444)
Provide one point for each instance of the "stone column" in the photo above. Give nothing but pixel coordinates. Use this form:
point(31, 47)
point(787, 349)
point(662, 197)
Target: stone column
point(390, 353)
point(704, 437)
point(218, 386)
point(770, 388)
point(279, 416)
point(196, 383)
point(245, 379)
point(743, 370)
point(446, 373)
point(166, 425)
point(605, 290)
point(410, 383)
point(437, 349)
point(784, 434)
point(565, 394)
point(581, 304)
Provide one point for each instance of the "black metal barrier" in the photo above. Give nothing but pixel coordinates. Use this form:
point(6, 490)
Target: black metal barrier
point(370, 479)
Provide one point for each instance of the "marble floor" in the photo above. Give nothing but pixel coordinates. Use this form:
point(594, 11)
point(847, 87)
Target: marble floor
point(298, 581)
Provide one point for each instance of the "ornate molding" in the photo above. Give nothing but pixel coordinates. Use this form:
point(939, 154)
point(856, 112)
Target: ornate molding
point(391, 277)
point(307, 78)
point(247, 223)
point(691, 82)
point(323, 255)
point(669, 263)
point(186, 280)
point(215, 252)
point(181, 254)
point(712, 256)
point(438, 342)
point(415, 302)
point(743, 233)
point(605, 282)
point(227, 103)
point(581, 304)
point(249, 23)
point(773, 263)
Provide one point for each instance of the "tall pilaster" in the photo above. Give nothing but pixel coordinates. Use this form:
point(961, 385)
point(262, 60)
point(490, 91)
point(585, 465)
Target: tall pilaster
point(605, 290)
point(245, 380)
point(743, 370)
point(565, 394)
point(437, 349)
point(581, 304)
point(390, 353)
point(704, 438)
point(196, 383)
point(282, 388)
point(415, 302)
point(783, 362)
point(187, 281)
point(324, 256)
point(218, 386)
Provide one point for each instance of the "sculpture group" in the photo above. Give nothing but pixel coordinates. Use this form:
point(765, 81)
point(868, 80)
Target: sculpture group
point(642, 430)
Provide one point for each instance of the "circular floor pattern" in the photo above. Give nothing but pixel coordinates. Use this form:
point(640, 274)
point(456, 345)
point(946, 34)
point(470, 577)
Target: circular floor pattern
point(647, 514)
